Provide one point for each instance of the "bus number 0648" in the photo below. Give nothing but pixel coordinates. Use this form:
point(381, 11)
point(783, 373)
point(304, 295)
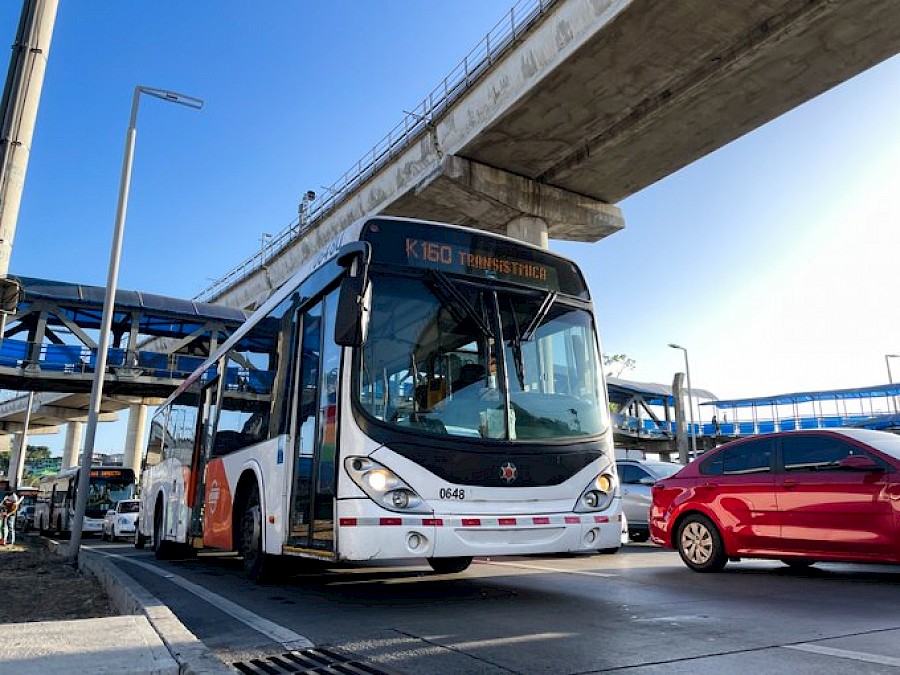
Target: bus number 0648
point(452, 493)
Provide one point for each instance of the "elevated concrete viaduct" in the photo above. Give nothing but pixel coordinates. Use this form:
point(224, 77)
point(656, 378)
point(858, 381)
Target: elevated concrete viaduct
point(591, 102)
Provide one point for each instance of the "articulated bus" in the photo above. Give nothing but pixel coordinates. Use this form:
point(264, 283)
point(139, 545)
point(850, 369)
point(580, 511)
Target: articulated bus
point(54, 508)
point(417, 390)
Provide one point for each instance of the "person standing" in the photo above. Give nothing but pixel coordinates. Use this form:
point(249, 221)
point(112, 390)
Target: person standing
point(8, 508)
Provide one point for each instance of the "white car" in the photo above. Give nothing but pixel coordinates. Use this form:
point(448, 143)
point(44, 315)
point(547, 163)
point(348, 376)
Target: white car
point(120, 521)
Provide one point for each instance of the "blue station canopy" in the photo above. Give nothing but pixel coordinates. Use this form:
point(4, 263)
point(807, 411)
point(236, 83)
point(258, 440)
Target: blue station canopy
point(621, 391)
point(160, 315)
point(876, 391)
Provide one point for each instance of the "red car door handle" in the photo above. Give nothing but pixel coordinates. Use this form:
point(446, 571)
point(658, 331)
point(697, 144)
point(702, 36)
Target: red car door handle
point(710, 486)
point(789, 484)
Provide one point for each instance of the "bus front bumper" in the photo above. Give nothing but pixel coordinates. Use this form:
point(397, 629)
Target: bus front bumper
point(92, 525)
point(372, 534)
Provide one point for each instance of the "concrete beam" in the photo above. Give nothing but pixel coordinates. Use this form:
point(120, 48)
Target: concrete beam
point(33, 429)
point(469, 193)
point(65, 415)
point(455, 190)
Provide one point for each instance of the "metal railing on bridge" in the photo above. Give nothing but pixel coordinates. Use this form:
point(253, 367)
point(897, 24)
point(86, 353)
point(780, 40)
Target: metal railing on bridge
point(78, 359)
point(495, 44)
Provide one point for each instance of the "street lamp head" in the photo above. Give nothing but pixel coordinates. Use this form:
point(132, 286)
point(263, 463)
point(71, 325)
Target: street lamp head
point(674, 346)
point(173, 97)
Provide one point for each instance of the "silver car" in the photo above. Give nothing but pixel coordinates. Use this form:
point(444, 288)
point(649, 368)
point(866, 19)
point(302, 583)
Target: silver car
point(636, 476)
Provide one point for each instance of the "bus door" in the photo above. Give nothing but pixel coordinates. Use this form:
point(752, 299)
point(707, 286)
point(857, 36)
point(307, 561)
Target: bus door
point(315, 414)
point(203, 444)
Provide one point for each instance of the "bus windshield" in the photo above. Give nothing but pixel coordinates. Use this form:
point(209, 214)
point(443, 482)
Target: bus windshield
point(456, 357)
point(108, 490)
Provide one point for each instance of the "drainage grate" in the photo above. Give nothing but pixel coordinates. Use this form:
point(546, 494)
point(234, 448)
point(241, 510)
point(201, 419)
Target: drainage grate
point(319, 661)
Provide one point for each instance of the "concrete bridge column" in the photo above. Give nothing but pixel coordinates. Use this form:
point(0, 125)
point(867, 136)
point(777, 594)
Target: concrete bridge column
point(73, 444)
point(15, 454)
point(531, 229)
point(137, 421)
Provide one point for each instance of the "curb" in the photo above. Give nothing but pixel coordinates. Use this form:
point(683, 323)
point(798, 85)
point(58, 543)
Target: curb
point(128, 597)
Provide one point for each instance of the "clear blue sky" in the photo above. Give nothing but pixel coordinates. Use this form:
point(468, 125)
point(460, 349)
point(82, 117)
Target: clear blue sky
point(772, 260)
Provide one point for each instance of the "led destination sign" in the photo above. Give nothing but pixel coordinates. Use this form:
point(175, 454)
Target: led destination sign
point(471, 253)
point(107, 473)
point(462, 260)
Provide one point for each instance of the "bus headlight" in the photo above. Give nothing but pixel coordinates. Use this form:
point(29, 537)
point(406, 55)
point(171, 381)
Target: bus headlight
point(598, 495)
point(383, 486)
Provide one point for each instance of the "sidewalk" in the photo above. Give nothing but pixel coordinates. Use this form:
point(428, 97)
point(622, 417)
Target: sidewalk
point(133, 633)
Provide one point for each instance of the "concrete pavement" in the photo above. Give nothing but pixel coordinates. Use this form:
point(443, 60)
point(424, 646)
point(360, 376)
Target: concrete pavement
point(146, 638)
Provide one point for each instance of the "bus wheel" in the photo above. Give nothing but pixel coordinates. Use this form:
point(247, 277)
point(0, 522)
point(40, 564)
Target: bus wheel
point(258, 567)
point(162, 550)
point(250, 544)
point(140, 541)
point(450, 565)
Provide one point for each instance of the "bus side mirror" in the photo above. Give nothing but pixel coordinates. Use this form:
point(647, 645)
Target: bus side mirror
point(351, 325)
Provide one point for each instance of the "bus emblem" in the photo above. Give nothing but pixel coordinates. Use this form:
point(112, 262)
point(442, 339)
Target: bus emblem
point(508, 473)
point(213, 497)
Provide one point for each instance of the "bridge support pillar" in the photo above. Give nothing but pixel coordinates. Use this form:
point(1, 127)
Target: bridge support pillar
point(137, 420)
point(73, 444)
point(17, 459)
point(530, 229)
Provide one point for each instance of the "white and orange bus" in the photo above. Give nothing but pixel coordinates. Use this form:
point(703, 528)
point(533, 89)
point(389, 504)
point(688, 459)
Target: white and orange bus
point(418, 390)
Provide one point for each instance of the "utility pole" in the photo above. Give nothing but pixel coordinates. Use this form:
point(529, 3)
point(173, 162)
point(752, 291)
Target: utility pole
point(18, 113)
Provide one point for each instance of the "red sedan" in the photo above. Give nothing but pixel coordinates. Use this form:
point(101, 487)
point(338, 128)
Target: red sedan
point(796, 496)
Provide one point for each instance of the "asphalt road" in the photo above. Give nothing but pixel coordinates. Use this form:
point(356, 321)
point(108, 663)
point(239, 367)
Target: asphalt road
point(639, 611)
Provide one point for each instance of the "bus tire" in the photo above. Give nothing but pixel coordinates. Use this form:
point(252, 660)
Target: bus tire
point(162, 549)
point(140, 541)
point(450, 565)
point(259, 567)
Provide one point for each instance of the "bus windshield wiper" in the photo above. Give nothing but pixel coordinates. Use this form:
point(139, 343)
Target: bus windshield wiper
point(459, 301)
point(539, 316)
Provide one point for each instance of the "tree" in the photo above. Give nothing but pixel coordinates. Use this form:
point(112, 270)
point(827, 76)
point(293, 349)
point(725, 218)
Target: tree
point(37, 452)
point(616, 364)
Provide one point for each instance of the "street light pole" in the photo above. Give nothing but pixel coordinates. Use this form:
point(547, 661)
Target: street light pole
point(109, 305)
point(887, 362)
point(687, 369)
